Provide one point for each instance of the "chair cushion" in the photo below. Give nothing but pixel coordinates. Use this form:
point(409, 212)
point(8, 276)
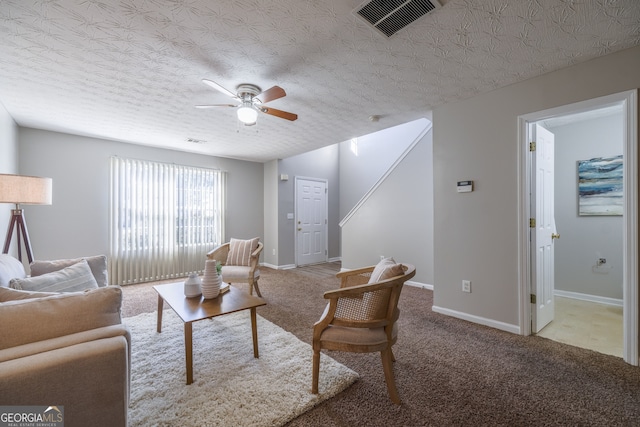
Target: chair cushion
point(357, 336)
point(240, 251)
point(97, 264)
point(386, 269)
point(10, 268)
point(235, 273)
point(77, 277)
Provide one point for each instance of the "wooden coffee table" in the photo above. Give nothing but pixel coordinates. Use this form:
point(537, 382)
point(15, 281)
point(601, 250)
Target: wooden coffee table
point(193, 309)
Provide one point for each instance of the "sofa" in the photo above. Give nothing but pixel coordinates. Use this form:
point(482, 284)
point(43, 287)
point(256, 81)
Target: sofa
point(67, 349)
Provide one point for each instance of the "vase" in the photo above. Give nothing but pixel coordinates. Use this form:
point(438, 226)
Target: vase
point(192, 286)
point(211, 281)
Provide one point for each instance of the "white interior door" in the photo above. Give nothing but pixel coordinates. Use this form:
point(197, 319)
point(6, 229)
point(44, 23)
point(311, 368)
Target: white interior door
point(544, 233)
point(311, 221)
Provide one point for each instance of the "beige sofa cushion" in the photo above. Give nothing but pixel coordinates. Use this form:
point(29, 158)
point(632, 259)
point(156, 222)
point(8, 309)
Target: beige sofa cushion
point(97, 264)
point(77, 277)
point(30, 320)
point(240, 251)
point(10, 294)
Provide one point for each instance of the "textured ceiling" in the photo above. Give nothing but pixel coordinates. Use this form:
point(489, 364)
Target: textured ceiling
point(131, 70)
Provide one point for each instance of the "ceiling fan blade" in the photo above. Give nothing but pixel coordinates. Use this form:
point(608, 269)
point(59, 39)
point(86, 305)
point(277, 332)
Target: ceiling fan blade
point(217, 87)
point(216, 105)
point(271, 94)
point(278, 113)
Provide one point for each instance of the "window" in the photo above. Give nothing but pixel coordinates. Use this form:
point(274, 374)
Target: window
point(164, 219)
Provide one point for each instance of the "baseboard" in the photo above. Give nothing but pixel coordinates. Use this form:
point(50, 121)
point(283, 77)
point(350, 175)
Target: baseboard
point(278, 267)
point(514, 329)
point(408, 282)
point(336, 259)
point(591, 298)
point(419, 285)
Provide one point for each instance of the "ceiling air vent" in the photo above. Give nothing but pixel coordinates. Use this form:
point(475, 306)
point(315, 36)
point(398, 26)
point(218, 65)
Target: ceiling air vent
point(390, 16)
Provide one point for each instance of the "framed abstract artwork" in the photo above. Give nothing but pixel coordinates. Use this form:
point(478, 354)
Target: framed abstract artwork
point(600, 186)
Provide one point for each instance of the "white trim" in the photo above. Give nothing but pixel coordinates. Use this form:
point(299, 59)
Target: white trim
point(335, 259)
point(524, 209)
point(630, 251)
point(408, 282)
point(630, 229)
point(386, 174)
point(419, 285)
point(591, 298)
point(278, 267)
point(514, 329)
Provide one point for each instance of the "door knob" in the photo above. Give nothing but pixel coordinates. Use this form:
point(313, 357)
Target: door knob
point(555, 236)
point(299, 229)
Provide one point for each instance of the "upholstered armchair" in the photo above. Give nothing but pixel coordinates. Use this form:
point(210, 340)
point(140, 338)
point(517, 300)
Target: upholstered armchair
point(361, 316)
point(239, 259)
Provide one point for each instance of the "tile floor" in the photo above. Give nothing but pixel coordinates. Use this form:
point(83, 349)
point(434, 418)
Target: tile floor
point(587, 325)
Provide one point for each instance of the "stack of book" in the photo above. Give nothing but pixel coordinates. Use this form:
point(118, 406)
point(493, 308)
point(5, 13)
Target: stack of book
point(224, 288)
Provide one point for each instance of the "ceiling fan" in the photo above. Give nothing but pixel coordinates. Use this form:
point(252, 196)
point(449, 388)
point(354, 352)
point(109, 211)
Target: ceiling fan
point(252, 100)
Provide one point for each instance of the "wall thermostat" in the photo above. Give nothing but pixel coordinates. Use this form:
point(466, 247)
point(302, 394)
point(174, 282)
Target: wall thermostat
point(465, 186)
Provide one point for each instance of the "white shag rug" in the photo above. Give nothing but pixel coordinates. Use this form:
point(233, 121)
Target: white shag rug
point(230, 387)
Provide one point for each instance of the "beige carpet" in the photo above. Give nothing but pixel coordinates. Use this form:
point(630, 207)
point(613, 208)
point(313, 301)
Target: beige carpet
point(449, 372)
point(231, 387)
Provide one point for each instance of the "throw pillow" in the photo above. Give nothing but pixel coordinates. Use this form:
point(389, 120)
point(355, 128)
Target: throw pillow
point(240, 251)
point(97, 264)
point(77, 277)
point(33, 320)
point(386, 269)
point(10, 268)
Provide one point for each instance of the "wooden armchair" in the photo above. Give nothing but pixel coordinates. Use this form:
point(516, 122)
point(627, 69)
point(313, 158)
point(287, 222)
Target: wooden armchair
point(232, 273)
point(361, 317)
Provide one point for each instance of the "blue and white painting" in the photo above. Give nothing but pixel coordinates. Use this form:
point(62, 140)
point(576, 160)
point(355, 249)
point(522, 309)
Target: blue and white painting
point(600, 186)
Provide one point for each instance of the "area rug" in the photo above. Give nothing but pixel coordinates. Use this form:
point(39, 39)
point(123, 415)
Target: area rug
point(231, 387)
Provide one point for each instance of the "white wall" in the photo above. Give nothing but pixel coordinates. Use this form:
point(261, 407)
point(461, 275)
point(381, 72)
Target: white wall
point(322, 163)
point(397, 219)
point(77, 222)
point(584, 239)
point(270, 251)
point(8, 165)
point(476, 234)
point(377, 152)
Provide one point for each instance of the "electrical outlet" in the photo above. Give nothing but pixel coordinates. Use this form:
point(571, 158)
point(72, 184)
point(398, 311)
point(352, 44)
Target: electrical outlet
point(466, 286)
point(274, 251)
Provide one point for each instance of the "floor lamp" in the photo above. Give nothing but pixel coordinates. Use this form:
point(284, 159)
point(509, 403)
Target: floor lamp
point(22, 190)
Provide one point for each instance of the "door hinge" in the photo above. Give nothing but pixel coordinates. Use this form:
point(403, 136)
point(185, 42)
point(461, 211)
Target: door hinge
point(533, 298)
point(532, 146)
point(532, 223)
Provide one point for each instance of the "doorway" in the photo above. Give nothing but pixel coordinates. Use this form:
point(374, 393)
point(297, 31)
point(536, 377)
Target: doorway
point(588, 250)
point(311, 220)
point(627, 102)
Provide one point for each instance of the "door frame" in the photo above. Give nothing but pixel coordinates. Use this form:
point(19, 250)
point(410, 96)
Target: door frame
point(629, 101)
point(295, 215)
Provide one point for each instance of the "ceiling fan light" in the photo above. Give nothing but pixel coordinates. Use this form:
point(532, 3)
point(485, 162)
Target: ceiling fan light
point(247, 115)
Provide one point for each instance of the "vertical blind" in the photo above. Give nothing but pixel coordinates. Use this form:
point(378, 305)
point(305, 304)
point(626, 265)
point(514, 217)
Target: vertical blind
point(164, 219)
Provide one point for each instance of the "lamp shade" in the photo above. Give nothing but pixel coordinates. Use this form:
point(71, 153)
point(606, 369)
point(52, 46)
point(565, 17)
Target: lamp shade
point(28, 190)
